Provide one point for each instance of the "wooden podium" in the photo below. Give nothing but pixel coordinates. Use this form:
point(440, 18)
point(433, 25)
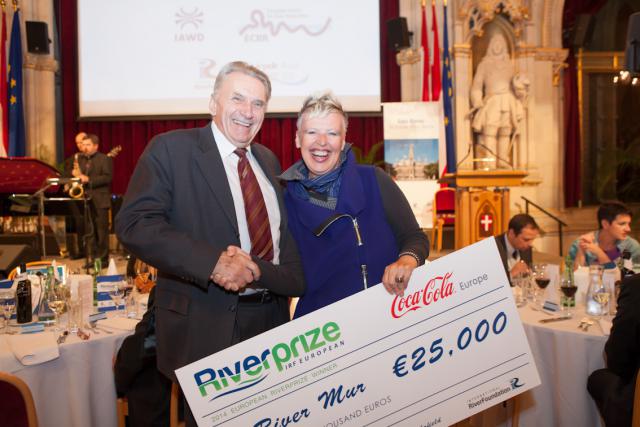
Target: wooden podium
point(482, 202)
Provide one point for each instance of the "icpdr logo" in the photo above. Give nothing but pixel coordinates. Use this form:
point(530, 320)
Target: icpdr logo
point(254, 368)
point(188, 23)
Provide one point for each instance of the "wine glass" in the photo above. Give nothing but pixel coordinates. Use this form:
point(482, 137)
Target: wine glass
point(117, 295)
point(541, 277)
point(57, 299)
point(8, 304)
point(569, 289)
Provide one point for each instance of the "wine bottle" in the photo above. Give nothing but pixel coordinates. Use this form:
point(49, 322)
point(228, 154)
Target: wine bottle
point(627, 265)
point(23, 297)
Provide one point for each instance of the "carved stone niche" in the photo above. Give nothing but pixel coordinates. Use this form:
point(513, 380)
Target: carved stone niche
point(476, 23)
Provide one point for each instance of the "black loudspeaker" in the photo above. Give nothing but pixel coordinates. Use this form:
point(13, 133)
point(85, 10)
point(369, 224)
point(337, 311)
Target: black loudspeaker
point(632, 53)
point(13, 255)
point(398, 34)
point(582, 30)
point(37, 37)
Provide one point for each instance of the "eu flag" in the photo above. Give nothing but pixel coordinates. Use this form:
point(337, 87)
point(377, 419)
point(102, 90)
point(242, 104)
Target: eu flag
point(17, 142)
point(447, 95)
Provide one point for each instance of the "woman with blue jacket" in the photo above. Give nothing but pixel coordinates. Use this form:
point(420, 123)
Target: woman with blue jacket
point(353, 226)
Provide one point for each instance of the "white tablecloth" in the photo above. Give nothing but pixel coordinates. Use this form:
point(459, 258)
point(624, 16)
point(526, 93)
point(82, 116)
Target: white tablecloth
point(77, 389)
point(565, 356)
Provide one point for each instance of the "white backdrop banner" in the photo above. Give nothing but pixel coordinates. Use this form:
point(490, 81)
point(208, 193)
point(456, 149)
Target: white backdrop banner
point(452, 346)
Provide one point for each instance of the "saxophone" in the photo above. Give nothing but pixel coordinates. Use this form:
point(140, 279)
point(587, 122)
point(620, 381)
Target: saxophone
point(76, 190)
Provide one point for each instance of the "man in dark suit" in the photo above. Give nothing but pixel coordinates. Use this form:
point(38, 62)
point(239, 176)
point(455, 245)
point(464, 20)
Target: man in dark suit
point(515, 246)
point(187, 213)
point(613, 388)
point(96, 173)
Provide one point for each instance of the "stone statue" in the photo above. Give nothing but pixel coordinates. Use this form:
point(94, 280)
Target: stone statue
point(497, 99)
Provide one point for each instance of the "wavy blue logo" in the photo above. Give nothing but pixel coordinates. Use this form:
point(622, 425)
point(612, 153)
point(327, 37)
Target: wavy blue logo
point(253, 369)
point(515, 383)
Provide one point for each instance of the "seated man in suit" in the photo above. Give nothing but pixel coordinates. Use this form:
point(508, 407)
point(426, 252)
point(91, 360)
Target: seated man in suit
point(613, 388)
point(515, 245)
point(137, 377)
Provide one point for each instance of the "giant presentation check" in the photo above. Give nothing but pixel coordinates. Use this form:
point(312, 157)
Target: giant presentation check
point(452, 346)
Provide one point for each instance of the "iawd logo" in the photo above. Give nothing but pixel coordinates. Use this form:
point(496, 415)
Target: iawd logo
point(185, 20)
point(436, 288)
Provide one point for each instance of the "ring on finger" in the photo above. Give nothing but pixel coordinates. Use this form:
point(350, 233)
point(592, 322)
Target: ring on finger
point(399, 279)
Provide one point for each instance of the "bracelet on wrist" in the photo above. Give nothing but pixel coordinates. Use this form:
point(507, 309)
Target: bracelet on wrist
point(411, 254)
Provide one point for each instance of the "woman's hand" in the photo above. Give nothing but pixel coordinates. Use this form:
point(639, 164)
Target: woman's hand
point(396, 276)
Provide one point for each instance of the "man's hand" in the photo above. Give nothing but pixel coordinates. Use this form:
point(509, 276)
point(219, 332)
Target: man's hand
point(83, 178)
point(520, 268)
point(235, 270)
point(587, 243)
point(396, 276)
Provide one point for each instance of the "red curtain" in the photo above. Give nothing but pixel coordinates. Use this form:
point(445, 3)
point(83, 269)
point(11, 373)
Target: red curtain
point(276, 133)
point(572, 152)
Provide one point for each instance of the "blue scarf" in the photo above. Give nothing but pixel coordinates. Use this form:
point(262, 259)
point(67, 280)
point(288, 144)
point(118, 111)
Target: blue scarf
point(322, 190)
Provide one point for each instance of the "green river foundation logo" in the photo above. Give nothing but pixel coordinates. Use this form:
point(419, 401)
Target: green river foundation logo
point(254, 368)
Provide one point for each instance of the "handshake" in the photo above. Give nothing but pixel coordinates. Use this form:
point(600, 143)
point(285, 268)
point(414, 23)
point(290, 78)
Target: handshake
point(235, 270)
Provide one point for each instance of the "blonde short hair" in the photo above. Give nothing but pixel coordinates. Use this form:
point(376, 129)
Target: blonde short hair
point(320, 106)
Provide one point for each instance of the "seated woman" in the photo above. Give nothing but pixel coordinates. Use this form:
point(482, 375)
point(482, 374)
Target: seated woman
point(353, 226)
point(605, 246)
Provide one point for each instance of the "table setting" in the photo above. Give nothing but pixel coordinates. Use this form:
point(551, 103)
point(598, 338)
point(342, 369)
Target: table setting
point(67, 360)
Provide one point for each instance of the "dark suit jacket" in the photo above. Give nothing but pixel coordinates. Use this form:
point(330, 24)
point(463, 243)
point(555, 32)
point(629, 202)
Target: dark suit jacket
point(137, 377)
point(178, 215)
point(613, 388)
point(526, 256)
point(100, 175)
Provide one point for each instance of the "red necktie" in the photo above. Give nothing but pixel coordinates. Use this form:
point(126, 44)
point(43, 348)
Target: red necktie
point(255, 209)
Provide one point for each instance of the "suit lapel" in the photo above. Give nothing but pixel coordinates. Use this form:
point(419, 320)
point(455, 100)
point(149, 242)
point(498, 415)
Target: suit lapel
point(210, 165)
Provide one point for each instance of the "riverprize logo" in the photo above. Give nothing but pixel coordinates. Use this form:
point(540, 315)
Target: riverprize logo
point(253, 369)
point(436, 288)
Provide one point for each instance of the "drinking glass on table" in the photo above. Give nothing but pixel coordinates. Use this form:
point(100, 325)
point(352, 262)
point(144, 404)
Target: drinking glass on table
point(8, 304)
point(129, 298)
point(541, 277)
point(117, 295)
point(57, 299)
point(521, 283)
point(568, 289)
point(601, 295)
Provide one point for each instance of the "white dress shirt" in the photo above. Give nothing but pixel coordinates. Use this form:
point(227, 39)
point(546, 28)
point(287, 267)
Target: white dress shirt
point(230, 161)
point(511, 261)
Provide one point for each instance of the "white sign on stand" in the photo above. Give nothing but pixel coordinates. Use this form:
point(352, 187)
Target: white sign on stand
point(451, 347)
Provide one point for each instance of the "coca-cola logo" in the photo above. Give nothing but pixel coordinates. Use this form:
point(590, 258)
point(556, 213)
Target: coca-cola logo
point(436, 288)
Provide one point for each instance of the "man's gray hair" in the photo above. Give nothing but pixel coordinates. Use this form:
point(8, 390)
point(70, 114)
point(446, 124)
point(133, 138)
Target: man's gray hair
point(244, 68)
point(320, 106)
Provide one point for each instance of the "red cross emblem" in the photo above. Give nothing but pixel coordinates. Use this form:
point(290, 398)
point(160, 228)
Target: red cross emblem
point(486, 225)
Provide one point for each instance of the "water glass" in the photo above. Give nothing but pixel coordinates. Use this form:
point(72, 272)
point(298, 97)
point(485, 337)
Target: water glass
point(521, 284)
point(7, 304)
point(75, 315)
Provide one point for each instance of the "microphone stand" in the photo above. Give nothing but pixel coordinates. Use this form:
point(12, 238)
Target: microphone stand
point(40, 196)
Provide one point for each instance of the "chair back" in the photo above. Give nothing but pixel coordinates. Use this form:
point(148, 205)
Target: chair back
point(174, 404)
point(444, 205)
point(16, 405)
